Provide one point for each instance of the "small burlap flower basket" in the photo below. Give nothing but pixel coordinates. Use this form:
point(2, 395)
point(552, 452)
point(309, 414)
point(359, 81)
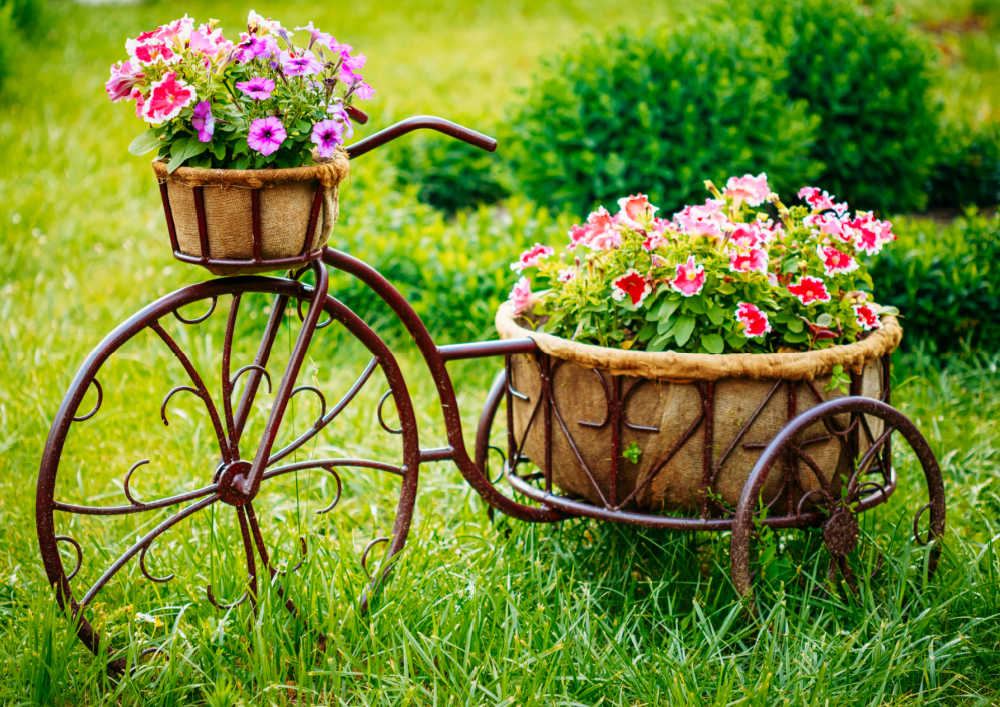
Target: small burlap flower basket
point(267, 218)
point(669, 403)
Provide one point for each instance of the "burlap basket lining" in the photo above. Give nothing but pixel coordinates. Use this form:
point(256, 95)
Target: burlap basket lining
point(683, 367)
point(329, 173)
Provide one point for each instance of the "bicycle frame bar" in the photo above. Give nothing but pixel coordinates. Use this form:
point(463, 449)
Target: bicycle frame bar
point(419, 122)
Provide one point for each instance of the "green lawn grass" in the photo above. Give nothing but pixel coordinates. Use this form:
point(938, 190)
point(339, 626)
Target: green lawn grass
point(475, 612)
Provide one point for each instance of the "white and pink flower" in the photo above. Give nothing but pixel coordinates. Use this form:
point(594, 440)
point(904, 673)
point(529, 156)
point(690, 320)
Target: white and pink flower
point(566, 274)
point(867, 316)
point(750, 260)
point(705, 220)
point(520, 295)
point(167, 98)
point(870, 234)
point(753, 320)
point(632, 285)
point(689, 278)
point(636, 211)
point(835, 261)
point(821, 201)
point(748, 189)
point(532, 257)
point(124, 77)
point(810, 289)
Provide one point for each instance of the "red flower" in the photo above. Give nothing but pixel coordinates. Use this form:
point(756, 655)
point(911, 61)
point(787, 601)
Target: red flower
point(810, 289)
point(754, 321)
point(867, 318)
point(631, 284)
point(836, 261)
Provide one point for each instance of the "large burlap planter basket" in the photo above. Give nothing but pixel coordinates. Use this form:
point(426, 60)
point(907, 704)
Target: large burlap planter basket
point(212, 214)
point(669, 403)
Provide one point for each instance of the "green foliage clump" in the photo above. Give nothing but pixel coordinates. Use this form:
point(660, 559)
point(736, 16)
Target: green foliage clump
point(866, 77)
point(655, 114)
point(451, 175)
point(966, 169)
point(945, 282)
point(17, 17)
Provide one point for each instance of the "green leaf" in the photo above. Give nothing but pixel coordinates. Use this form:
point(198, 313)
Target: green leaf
point(142, 144)
point(715, 314)
point(683, 330)
point(183, 150)
point(712, 343)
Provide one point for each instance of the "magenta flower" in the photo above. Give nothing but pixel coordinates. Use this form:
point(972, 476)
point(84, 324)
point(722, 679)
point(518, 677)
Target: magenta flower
point(327, 134)
point(520, 295)
point(810, 289)
point(305, 65)
point(266, 135)
point(361, 90)
point(203, 121)
point(754, 321)
point(748, 189)
point(167, 97)
point(531, 257)
point(689, 278)
point(631, 285)
point(258, 88)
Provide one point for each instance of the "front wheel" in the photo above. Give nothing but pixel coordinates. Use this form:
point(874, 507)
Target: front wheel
point(137, 532)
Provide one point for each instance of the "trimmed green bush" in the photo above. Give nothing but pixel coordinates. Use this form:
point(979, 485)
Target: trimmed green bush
point(945, 282)
point(656, 114)
point(451, 175)
point(966, 169)
point(866, 76)
point(455, 273)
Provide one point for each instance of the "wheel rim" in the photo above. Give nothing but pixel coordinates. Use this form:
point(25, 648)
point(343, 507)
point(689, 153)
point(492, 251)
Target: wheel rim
point(148, 515)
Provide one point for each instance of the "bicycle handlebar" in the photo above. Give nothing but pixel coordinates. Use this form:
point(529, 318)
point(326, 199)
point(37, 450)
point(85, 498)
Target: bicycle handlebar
point(417, 122)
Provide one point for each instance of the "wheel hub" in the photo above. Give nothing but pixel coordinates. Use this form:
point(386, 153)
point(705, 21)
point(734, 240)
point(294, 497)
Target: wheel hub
point(230, 477)
point(840, 533)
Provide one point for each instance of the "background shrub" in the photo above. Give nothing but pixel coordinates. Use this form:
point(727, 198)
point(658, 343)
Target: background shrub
point(450, 175)
point(658, 114)
point(455, 273)
point(966, 169)
point(866, 76)
point(945, 282)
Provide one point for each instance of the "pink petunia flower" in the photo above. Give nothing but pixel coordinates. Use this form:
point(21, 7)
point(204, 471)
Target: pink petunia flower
point(361, 90)
point(748, 189)
point(631, 285)
point(531, 257)
point(203, 121)
point(147, 49)
point(821, 201)
point(754, 320)
point(304, 64)
point(752, 260)
point(578, 235)
point(602, 231)
point(870, 234)
point(167, 98)
point(744, 236)
point(866, 316)
point(326, 135)
point(258, 88)
point(835, 261)
point(810, 289)
point(704, 220)
point(209, 42)
point(124, 76)
point(140, 101)
point(688, 278)
point(266, 135)
point(315, 35)
point(520, 295)
point(636, 210)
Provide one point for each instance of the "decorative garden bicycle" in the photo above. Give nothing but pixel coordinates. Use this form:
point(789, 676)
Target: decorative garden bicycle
point(230, 484)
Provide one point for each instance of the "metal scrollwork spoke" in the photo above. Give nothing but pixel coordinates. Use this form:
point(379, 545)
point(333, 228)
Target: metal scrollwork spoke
point(97, 405)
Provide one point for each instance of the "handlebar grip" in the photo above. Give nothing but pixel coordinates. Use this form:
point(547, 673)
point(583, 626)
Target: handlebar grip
point(357, 115)
point(417, 122)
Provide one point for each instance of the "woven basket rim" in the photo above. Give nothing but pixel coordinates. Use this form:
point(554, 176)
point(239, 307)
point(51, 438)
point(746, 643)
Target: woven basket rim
point(674, 366)
point(328, 172)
